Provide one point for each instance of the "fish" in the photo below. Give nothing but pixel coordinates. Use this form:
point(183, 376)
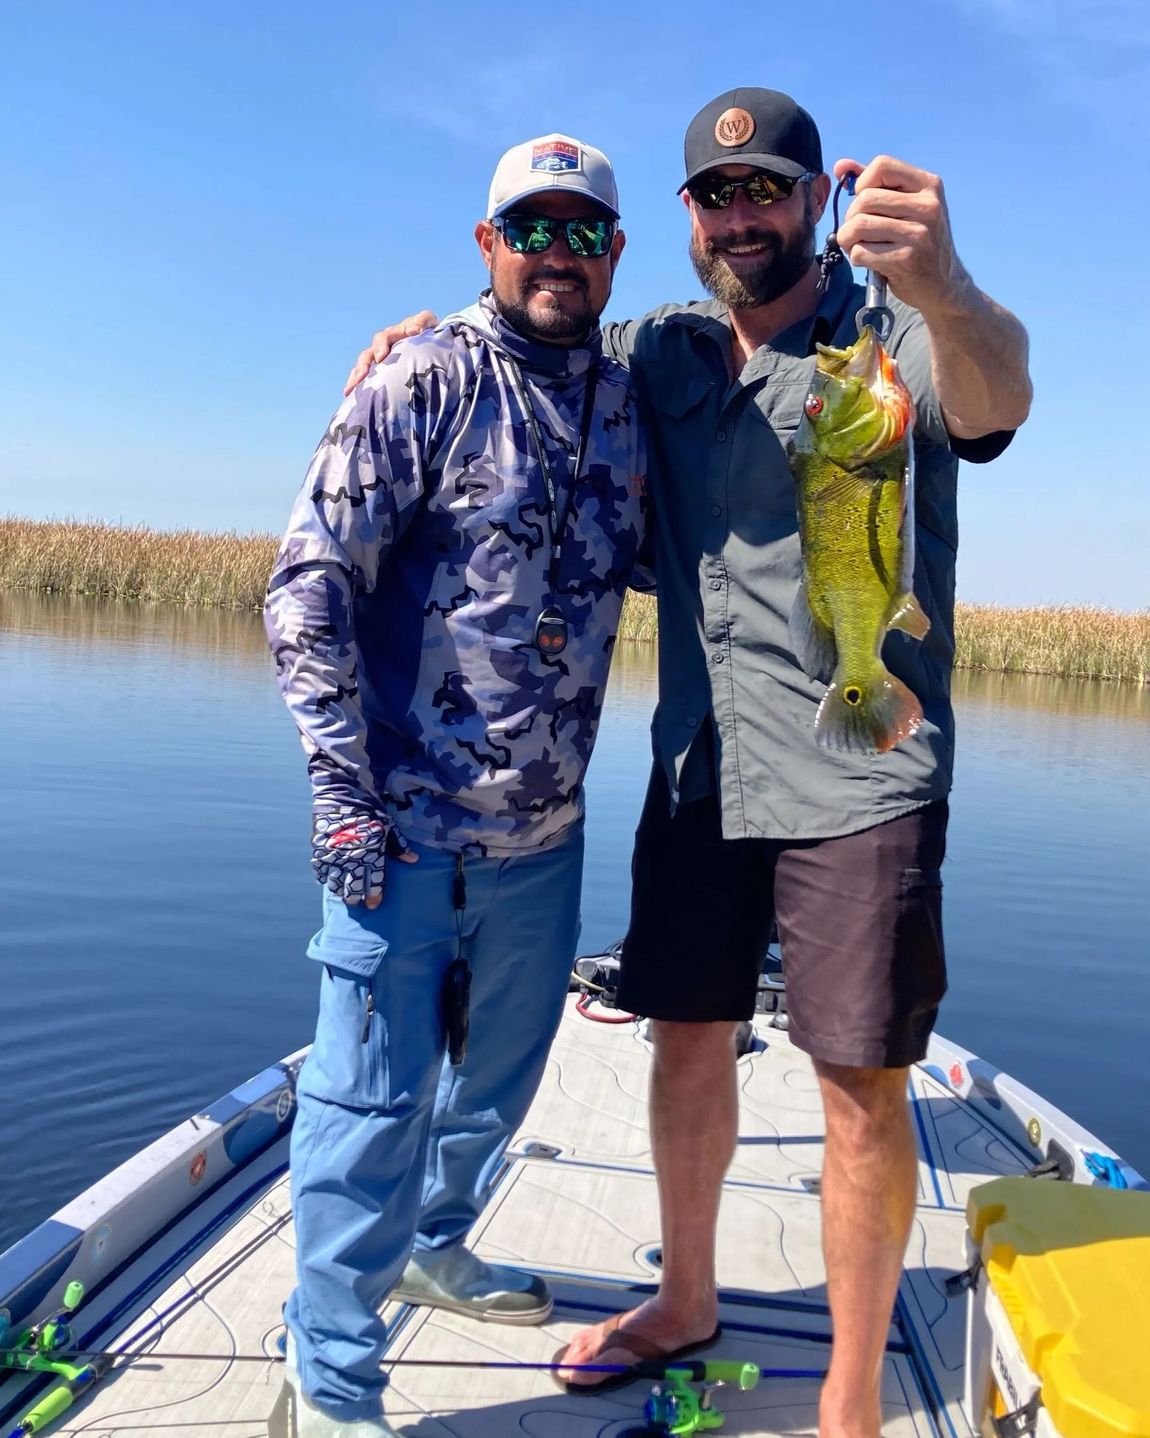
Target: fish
point(853, 461)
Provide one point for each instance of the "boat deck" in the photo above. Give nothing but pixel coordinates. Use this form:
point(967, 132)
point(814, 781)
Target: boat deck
point(578, 1202)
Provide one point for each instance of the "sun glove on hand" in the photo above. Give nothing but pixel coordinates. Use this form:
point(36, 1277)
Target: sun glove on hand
point(349, 848)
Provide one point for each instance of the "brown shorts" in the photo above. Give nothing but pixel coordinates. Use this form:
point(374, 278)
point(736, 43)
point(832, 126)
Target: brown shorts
point(859, 919)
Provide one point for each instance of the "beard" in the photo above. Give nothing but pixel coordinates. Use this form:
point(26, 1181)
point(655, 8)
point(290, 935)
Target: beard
point(547, 321)
point(778, 269)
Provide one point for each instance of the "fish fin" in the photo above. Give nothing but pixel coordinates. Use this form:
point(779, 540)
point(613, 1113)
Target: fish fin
point(868, 715)
point(812, 642)
point(850, 486)
point(909, 617)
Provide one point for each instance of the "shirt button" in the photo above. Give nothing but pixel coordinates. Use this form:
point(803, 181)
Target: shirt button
point(721, 436)
point(716, 510)
point(692, 720)
point(716, 584)
point(718, 656)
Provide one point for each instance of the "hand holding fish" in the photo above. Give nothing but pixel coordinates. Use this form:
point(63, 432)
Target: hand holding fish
point(899, 226)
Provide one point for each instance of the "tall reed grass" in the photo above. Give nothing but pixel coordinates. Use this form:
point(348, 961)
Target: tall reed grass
point(230, 570)
point(1077, 641)
point(227, 570)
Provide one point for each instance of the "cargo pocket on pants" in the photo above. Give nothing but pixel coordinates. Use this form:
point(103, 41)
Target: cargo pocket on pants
point(348, 1064)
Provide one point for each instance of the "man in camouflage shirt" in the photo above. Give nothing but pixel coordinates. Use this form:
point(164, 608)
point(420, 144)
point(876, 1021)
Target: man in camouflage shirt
point(443, 611)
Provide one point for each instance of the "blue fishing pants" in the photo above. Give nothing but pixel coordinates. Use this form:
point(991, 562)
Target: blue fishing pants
point(392, 1148)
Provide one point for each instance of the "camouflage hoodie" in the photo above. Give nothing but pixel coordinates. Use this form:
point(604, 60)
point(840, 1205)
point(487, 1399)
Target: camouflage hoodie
point(402, 606)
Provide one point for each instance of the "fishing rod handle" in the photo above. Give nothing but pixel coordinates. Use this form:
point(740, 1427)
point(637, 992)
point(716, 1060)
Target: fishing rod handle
point(741, 1375)
point(57, 1401)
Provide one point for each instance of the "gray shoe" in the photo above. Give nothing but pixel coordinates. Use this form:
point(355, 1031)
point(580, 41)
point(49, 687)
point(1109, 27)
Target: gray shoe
point(307, 1421)
point(462, 1283)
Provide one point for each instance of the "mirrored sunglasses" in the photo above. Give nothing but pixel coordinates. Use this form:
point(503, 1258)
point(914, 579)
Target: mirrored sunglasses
point(715, 192)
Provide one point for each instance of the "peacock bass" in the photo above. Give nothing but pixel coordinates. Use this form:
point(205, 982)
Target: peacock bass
point(853, 462)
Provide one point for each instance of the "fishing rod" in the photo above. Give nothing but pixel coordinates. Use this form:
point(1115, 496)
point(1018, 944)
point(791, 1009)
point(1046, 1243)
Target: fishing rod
point(699, 1371)
point(673, 1408)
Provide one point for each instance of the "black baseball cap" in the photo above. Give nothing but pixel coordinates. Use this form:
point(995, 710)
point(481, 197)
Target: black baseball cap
point(749, 126)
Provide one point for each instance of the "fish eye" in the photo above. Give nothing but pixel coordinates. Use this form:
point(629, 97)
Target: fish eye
point(814, 405)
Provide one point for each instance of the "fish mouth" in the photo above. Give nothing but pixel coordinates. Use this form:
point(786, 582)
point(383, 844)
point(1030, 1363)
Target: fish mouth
point(859, 361)
point(868, 364)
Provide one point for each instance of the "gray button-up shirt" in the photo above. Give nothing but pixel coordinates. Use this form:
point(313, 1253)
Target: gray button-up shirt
point(728, 563)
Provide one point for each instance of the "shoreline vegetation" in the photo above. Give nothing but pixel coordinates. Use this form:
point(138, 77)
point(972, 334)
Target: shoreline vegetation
point(229, 571)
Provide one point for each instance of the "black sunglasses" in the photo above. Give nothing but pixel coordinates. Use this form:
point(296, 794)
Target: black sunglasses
point(532, 234)
point(715, 192)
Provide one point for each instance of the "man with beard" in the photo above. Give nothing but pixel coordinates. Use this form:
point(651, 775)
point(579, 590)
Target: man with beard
point(746, 820)
point(442, 611)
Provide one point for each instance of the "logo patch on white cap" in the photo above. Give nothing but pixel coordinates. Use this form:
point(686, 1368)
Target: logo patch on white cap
point(556, 155)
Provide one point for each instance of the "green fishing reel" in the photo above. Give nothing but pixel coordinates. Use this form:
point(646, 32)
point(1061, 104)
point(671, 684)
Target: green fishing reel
point(43, 1339)
point(674, 1407)
point(33, 1350)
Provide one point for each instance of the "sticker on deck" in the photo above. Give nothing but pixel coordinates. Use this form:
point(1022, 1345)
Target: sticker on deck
point(556, 155)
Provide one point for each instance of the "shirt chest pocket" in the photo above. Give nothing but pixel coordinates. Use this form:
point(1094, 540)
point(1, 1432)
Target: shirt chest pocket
point(780, 405)
point(683, 416)
point(682, 420)
point(760, 468)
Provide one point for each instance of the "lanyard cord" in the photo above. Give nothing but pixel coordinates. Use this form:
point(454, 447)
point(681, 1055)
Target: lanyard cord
point(556, 519)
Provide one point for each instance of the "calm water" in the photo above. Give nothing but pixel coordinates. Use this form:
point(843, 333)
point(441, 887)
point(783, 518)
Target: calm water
point(156, 894)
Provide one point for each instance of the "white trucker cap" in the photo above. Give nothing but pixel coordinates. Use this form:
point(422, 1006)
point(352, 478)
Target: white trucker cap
point(553, 162)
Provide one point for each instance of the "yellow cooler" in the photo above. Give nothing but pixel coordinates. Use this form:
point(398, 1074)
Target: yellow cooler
point(1058, 1328)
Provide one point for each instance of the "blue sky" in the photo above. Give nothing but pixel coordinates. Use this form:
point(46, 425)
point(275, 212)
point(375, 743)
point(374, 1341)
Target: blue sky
point(209, 208)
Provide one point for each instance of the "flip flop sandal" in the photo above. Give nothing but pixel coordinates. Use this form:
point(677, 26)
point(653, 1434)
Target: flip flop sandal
point(644, 1350)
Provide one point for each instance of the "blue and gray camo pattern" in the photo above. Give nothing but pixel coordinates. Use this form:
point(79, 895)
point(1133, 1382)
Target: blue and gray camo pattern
point(402, 605)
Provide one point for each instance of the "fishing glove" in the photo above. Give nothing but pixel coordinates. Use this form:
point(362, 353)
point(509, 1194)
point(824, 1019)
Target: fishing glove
point(349, 846)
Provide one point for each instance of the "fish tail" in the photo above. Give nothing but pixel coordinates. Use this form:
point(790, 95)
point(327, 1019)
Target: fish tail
point(866, 715)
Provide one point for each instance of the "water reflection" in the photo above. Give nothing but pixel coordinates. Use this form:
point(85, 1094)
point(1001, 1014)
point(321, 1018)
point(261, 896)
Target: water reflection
point(80, 622)
point(1088, 698)
point(634, 676)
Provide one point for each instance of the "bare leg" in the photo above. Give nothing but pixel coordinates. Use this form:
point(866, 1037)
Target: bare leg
point(694, 1125)
point(868, 1190)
